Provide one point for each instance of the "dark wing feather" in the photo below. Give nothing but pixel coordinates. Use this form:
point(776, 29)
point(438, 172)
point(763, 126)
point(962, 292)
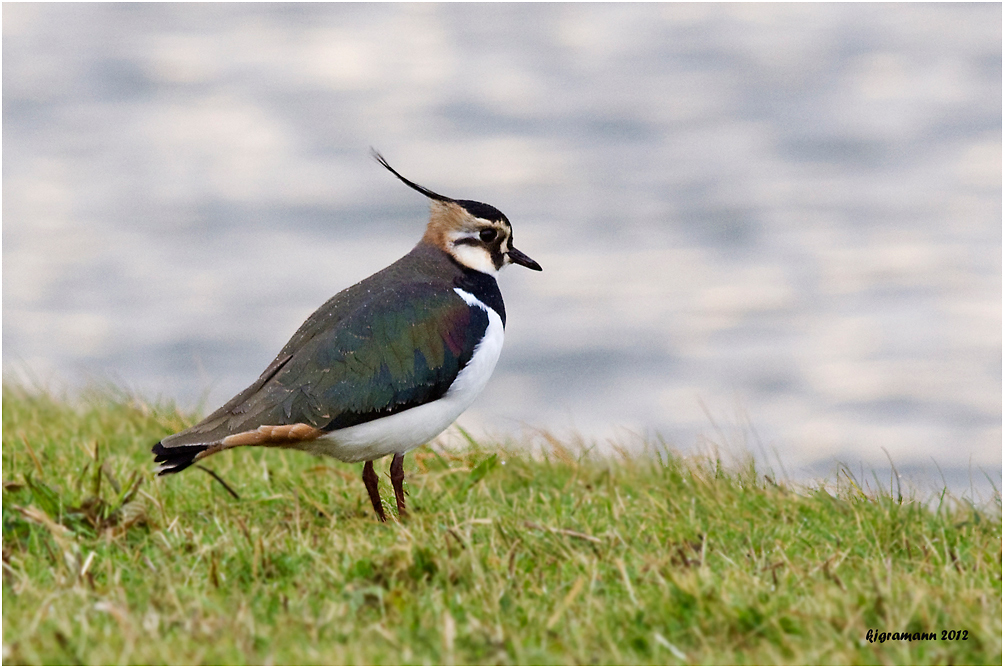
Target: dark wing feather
point(395, 350)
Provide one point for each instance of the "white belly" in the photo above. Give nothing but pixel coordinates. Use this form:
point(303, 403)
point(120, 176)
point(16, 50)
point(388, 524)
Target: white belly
point(406, 430)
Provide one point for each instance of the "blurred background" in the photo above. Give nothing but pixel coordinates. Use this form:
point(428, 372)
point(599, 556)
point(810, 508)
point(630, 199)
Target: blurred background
point(770, 227)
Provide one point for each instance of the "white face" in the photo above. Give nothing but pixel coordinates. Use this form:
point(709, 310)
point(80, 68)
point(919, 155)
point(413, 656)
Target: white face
point(482, 245)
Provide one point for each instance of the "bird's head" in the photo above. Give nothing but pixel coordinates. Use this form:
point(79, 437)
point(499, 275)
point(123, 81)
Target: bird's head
point(475, 234)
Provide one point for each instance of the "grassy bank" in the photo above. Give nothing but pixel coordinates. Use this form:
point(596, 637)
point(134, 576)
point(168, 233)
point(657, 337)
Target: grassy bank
point(505, 558)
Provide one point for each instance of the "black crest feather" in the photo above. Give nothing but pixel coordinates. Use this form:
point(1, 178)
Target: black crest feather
point(411, 184)
point(479, 209)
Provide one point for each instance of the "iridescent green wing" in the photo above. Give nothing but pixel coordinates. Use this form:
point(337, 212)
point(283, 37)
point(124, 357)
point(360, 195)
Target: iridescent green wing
point(396, 350)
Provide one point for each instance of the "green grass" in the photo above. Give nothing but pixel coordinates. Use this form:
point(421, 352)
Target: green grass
point(506, 558)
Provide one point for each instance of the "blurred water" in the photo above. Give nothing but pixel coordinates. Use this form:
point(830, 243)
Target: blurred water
point(779, 216)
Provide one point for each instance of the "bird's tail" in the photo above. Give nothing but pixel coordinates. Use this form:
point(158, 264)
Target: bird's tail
point(175, 459)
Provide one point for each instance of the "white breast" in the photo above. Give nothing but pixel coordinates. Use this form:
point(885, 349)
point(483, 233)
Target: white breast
point(414, 427)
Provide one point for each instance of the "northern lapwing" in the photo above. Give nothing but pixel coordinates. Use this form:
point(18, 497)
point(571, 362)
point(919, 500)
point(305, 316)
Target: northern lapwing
point(385, 365)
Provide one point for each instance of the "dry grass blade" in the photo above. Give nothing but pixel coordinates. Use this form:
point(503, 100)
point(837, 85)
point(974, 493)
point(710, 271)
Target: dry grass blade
point(568, 533)
point(219, 480)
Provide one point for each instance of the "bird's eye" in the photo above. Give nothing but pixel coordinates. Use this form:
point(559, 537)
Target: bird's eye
point(487, 235)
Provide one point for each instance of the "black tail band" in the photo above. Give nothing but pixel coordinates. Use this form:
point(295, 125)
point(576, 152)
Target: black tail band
point(177, 458)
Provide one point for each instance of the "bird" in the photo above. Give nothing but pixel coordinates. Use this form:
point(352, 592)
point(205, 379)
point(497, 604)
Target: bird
point(385, 365)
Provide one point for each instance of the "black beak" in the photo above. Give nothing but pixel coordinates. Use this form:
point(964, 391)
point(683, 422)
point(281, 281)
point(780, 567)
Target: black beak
point(520, 259)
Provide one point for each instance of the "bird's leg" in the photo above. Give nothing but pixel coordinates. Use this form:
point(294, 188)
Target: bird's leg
point(397, 478)
point(370, 479)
